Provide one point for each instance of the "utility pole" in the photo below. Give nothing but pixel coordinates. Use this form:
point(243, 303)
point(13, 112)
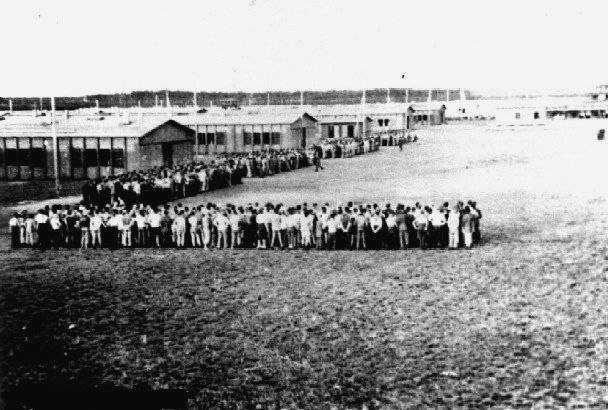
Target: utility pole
point(55, 146)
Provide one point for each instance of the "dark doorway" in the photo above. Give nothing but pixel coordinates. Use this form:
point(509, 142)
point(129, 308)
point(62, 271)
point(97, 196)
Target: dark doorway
point(351, 131)
point(303, 137)
point(167, 154)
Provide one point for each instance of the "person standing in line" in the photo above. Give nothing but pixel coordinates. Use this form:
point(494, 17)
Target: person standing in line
point(41, 220)
point(193, 224)
point(95, 227)
point(154, 218)
point(206, 229)
point(114, 226)
point(454, 228)
point(467, 227)
point(15, 231)
point(400, 221)
point(21, 222)
point(331, 226)
point(55, 224)
point(222, 223)
point(306, 226)
point(292, 228)
point(127, 223)
point(236, 225)
point(179, 229)
point(260, 220)
point(391, 227)
point(375, 223)
point(275, 226)
point(477, 214)
point(30, 231)
point(84, 224)
point(361, 225)
point(421, 225)
point(318, 227)
point(284, 226)
point(140, 222)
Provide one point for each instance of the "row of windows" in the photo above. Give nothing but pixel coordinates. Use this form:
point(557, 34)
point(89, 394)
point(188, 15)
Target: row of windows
point(210, 138)
point(14, 157)
point(262, 138)
point(249, 138)
point(36, 157)
point(350, 131)
point(97, 158)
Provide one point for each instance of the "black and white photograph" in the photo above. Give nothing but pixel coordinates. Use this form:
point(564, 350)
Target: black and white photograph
point(303, 204)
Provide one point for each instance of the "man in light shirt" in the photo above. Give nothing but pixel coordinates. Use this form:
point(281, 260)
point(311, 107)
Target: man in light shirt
point(42, 227)
point(391, 226)
point(55, 224)
point(114, 226)
point(375, 223)
point(421, 224)
point(275, 224)
point(154, 223)
point(454, 228)
point(179, 229)
point(222, 223)
point(15, 231)
point(95, 226)
point(127, 224)
point(141, 224)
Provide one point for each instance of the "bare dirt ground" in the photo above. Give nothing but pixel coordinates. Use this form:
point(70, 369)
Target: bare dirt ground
point(520, 321)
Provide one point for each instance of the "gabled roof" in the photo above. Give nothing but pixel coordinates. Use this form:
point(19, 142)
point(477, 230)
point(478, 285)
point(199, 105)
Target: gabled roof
point(169, 122)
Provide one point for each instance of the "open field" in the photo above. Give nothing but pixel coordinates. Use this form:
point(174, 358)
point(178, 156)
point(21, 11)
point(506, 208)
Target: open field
point(521, 321)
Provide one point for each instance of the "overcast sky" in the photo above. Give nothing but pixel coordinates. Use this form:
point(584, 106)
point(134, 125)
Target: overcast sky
point(82, 47)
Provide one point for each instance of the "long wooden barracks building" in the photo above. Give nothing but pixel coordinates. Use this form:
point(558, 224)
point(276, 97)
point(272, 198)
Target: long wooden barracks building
point(103, 145)
point(98, 144)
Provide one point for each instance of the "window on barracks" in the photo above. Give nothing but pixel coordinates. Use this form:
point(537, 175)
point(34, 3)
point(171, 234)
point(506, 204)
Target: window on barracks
point(11, 157)
point(90, 158)
point(247, 138)
point(201, 138)
point(380, 121)
point(266, 138)
point(276, 138)
point(210, 138)
point(386, 121)
point(257, 138)
point(118, 158)
point(24, 157)
point(38, 158)
point(220, 138)
point(76, 157)
point(330, 131)
point(105, 157)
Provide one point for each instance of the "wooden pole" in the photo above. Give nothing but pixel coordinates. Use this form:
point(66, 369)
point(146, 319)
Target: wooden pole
point(55, 146)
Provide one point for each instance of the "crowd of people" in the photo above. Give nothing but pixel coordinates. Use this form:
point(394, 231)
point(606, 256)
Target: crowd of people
point(261, 226)
point(348, 147)
point(159, 185)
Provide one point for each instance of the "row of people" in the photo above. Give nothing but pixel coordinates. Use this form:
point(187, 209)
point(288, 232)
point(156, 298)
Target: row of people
point(265, 226)
point(159, 185)
point(347, 147)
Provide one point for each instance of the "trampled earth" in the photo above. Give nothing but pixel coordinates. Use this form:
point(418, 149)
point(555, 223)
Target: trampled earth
point(519, 321)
